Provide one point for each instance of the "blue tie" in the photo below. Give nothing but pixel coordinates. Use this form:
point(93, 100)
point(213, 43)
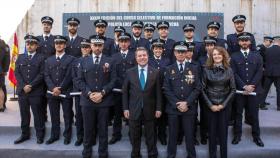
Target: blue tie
point(142, 79)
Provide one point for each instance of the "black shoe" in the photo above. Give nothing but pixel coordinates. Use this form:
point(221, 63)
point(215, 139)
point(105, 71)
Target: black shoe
point(231, 123)
point(51, 140)
point(67, 141)
point(93, 143)
point(248, 122)
point(278, 109)
point(196, 142)
point(114, 140)
point(236, 140)
point(21, 139)
point(79, 142)
point(40, 141)
point(203, 141)
point(162, 141)
point(258, 142)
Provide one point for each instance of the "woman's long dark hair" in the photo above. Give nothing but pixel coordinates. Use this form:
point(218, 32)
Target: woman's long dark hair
point(223, 52)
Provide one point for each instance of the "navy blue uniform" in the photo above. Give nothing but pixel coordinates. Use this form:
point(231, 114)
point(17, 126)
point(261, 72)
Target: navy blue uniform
point(142, 42)
point(247, 71)
point(196, 52)
point(30, 71)
point(168, 50)
point(121, 64)
point(220, 42)
point(272, 72)
point(161, 65)
point(96, 78)
point(46, 45)
point(233, 45)
point(58, 74)
point(73, 48)
point(181, 87)
point(109, 47)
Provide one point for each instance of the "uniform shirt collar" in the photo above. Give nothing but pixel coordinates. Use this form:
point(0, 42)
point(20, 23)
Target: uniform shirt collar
point(60, 56)
point(187, 40)
point(44, 35)
point(145, 68)
point(124, 52)
point(32, 54)
point(248, 50)
point(186, 60)
point(136, 38)
point(179, 64)
point(74, 37)
point(94, 56)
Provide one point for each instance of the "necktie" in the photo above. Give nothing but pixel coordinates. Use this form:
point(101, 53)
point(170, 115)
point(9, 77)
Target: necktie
point(123, 55)
point(142, 79)
point(158, 60)
point(29, 57)
point(96, 60)
point(181, 68)
point(245, 55)
point(72, 40)
point(137, 41)
point(58, 59)
point(46, 38)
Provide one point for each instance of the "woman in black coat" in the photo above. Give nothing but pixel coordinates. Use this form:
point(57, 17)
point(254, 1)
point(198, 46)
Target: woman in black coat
point(218, 90)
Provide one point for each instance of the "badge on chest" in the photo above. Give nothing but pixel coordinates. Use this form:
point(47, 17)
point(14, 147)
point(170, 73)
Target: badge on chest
point(189, 77)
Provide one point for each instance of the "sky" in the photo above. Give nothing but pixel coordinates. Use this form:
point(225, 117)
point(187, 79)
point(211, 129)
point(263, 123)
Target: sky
point(11, 14)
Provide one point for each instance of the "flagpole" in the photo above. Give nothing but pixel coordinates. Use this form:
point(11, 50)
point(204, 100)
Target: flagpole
point(14, 98)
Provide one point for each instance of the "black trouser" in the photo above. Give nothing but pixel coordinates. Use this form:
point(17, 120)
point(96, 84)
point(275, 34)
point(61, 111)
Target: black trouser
point(218, 131)
point(118, 113)
point(54, 106)
point(90, 114)
point(266, 86)
point(79, 118)
point(5, 94)
point(161, 123)
point(135, 130)
point(35, 102)
point(251, 102)
point(44, 109)
point(187, 123)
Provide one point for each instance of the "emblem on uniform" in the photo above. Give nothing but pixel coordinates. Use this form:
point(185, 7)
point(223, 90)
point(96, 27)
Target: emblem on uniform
point(189, 77)
point(106, 67)
point(172, 72)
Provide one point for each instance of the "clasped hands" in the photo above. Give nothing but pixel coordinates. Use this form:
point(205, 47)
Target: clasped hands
point(96, 97)
point(248, 89)
point(27, 88)
point(182, 106)
point(216, 108)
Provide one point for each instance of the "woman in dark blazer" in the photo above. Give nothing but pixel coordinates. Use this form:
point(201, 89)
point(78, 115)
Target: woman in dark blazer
point(218, 89)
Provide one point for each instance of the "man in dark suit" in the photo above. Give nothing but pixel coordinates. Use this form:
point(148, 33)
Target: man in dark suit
point(137, 40)
point(247, 66)
point(189, 37)
point(142, 103)
point(59, 81)
point(159, 62)
point(4, 67)
point(123, 60)
point(86, 51)
point(149, 30)
point(272, 70)
point(239, 25)
point(181, 87)
point(30, 89)
point(96, 79)
point(163, 32)
point(46, 48)
point(46, 44)
point(100, 29)
point(73, 45)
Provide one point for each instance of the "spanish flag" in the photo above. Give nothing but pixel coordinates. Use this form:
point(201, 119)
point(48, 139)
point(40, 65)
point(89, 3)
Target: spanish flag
point(12, 77)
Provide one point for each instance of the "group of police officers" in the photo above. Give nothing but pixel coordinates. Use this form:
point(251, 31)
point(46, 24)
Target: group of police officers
point(92, 70)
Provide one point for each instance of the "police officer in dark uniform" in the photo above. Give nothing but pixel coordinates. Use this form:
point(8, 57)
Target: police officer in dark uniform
point(247, 66)
point(117, 31)
point(4, 67)
point(213, 31)
point(149, 30)
point(137, 40)
point(267, 43)
point(96, 79)
point(58, 78)
point(123, 60)
point(100, 29)
point(86, 51)
point(46, 44)
point(189, 37)
point(272, 70)
point(239, 24)
point(163, 32)
point(73, 46)
point(159, 62)
point(46, 47)
point(209, 43)
point(181, 88)
point(29, 73)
